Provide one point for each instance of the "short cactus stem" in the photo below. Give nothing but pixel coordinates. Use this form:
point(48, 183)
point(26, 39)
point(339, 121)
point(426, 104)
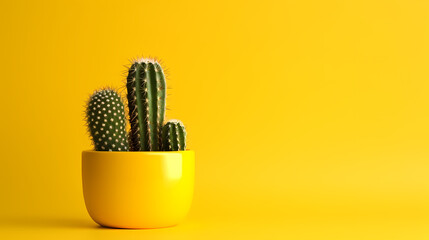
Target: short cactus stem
point(106, 121)
point(146, 102)
point(174, 136)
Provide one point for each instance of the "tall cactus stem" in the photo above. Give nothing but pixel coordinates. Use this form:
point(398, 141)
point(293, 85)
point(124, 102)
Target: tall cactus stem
point(146, 89)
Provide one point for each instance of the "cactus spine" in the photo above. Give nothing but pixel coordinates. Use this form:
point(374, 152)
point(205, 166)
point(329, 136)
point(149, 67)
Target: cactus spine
point(174, 136)
point(146, 102)
point(106, 121)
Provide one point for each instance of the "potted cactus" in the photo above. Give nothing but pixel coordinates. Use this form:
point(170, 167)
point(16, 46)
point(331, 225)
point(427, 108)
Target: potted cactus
point(142, 178)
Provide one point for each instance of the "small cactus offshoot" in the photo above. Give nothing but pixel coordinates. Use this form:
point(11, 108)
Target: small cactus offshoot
point(106, 121)
point(146, 102)
point(174, 136)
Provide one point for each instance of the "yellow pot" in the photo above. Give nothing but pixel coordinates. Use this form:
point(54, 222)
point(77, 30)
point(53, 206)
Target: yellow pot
point(138, 189)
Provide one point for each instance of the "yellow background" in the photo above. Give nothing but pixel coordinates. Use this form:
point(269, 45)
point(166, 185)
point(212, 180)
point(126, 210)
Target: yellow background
point(309, 119)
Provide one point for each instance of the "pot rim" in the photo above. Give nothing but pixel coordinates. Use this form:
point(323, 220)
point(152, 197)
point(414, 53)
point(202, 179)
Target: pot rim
point(136, 152)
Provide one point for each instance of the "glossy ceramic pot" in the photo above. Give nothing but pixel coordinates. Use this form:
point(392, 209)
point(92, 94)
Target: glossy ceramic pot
point(138, 189)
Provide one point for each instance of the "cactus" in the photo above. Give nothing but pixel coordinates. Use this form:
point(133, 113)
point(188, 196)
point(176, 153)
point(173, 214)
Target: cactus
point(146, 93)
point(146, 102)
point(173, 136)
point(106, 121)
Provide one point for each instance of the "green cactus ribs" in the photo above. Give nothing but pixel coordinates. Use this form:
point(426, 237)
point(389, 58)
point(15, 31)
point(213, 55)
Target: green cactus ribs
point(174, 136)
point(106, 121)
point(146, 102)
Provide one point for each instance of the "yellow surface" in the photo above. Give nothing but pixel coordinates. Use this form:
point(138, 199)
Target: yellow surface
point(309, 119)
point(138, 189)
